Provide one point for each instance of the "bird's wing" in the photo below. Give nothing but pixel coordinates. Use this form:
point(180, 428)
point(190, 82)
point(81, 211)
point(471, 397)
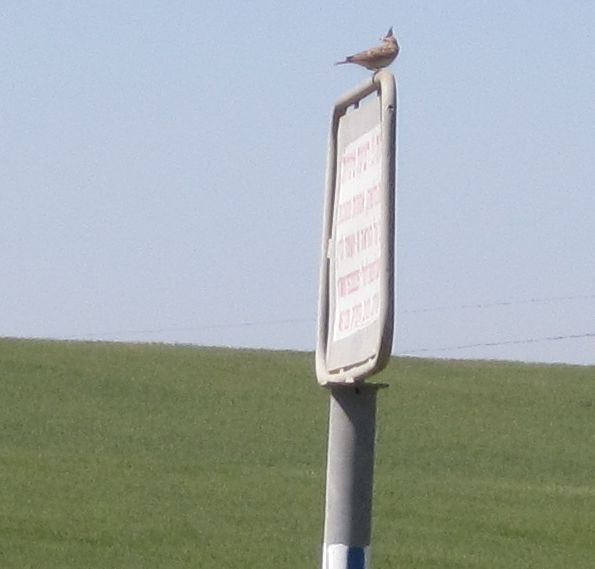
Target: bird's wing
point(380, 51)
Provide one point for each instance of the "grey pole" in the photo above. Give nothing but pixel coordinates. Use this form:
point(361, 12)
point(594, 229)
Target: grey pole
point(349, 477)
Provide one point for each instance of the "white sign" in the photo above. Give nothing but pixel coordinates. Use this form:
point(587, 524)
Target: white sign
point(356, 292)
point(357, 235)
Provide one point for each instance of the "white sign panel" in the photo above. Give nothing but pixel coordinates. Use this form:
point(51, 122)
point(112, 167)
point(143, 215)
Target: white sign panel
point(357, 238)
point(355, 308)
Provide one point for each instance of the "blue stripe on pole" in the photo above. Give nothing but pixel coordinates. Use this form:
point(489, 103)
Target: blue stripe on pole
point(356, 558)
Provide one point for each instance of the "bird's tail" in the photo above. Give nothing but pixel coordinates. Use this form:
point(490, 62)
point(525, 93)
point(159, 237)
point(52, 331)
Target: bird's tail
point(346, 60)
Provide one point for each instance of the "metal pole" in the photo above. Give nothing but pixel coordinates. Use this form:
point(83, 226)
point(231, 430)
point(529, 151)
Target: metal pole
point(349, 477)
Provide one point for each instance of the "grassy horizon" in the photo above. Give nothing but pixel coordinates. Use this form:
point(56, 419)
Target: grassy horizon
point(148, 455)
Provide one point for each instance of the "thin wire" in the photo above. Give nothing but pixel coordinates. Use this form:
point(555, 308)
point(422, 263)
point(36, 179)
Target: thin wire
point(289, 321)
point(245, 324)
point(501, 303)
point(501, 343)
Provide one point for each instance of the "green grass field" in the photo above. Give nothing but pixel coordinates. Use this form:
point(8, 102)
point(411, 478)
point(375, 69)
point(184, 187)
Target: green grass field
point(150, 456)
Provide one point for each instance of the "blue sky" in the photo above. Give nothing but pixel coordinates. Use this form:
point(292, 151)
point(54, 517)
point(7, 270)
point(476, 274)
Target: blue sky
point(162, 171)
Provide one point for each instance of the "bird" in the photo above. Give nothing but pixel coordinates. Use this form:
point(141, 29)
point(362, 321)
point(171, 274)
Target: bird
point(377, 57)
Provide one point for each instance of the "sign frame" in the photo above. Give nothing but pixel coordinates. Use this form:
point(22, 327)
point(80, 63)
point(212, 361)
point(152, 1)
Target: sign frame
point(367, 351)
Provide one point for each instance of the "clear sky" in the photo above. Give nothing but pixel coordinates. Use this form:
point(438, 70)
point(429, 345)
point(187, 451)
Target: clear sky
point(162, 171)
